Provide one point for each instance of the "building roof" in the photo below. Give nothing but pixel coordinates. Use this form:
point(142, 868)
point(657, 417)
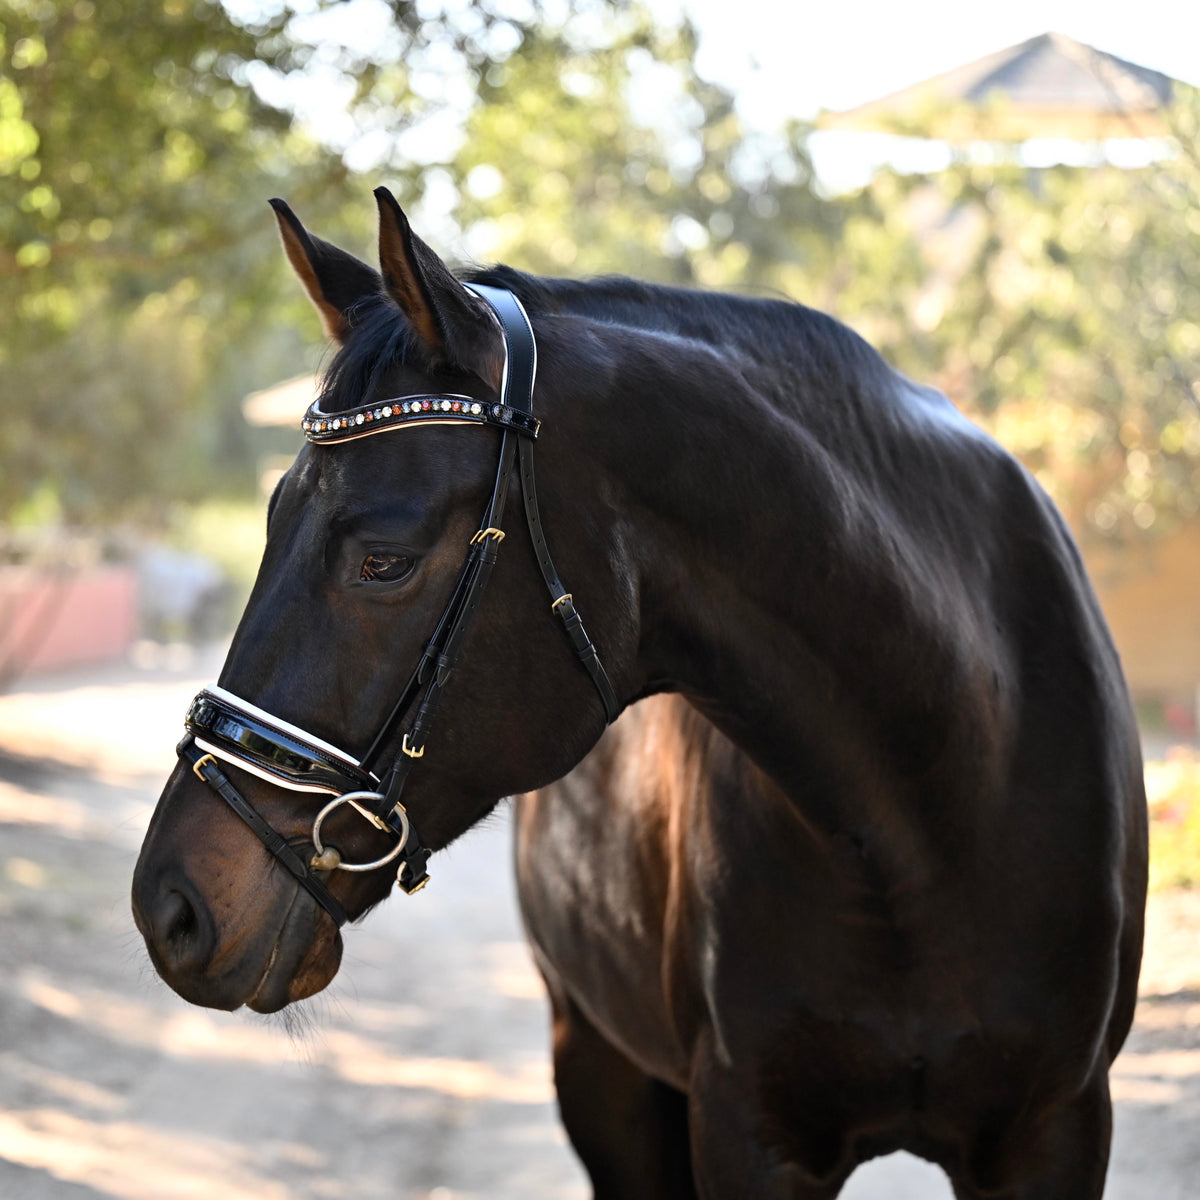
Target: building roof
point(1049, 86)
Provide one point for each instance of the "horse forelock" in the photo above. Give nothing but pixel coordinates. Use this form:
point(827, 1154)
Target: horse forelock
point(381, 338)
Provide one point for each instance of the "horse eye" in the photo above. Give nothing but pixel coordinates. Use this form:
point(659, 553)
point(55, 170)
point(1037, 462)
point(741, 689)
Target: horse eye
point(385, 568)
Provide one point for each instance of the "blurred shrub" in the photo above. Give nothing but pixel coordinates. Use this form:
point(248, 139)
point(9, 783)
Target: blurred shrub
point(1173, 792)
point(230, 532)
point(1056, 305)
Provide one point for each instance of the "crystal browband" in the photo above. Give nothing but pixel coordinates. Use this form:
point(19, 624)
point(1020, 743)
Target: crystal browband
point(406, 410)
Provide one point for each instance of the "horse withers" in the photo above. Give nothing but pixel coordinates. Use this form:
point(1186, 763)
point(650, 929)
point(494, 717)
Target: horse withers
point(872, 878)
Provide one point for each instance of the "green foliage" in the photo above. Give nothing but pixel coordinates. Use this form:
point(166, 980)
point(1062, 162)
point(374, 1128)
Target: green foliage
point(1173, 791)
point(138, 266)
point(128, 144)
point(612, 155)
point(1059, 307)
point(145, 292)
point(116, 102)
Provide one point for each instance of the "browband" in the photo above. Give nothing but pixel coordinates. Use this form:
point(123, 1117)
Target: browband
point(439, 409)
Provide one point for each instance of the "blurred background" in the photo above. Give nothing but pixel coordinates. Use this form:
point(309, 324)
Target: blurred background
point(1010, 211)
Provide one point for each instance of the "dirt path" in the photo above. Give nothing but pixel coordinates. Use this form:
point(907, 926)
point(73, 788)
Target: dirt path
point(422, 1073)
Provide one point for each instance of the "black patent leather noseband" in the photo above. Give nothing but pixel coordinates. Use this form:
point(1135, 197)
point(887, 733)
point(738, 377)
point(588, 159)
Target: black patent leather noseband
point(221, 726)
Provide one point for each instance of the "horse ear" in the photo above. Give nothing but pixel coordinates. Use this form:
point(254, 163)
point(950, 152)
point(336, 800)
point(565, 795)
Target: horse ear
point(453, 323)
point(335, 280)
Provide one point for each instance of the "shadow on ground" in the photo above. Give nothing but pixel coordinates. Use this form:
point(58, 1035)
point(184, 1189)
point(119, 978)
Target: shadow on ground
point(396, 1083)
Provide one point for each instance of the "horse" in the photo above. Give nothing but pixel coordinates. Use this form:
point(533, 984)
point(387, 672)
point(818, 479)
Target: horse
point(862, 865)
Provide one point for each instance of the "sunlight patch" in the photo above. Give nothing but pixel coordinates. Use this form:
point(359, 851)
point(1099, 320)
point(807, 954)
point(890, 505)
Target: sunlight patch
point(130, 1161)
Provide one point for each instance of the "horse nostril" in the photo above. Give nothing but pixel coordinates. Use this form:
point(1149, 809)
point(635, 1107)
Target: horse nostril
point(179, 932)
point(178, 918)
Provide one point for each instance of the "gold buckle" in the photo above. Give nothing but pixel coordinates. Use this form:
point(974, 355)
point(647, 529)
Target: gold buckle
point(407, 749)
point(496, 535)
point(561, 600)
point(378, 822)
point(199, 765)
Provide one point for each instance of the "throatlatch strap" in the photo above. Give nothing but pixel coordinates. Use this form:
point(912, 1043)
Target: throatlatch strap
point(205, 766)
point(519, 381)
point(562, 601)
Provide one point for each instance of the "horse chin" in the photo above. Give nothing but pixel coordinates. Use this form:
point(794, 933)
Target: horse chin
point(302, 962)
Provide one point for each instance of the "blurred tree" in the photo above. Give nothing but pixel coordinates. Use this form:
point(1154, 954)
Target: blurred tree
point(142, 285)
point(139, 139)
point(137, 144)
point(603, 151)
point(1059, 306)
point(128, 144)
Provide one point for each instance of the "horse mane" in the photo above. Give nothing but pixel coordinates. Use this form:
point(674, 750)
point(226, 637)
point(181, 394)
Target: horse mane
point(776, 328)
point(762, 328)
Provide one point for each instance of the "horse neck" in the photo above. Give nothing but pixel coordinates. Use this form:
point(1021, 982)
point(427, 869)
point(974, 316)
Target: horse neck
point(777, 591)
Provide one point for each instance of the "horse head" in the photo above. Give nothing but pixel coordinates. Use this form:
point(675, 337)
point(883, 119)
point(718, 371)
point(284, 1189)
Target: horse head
point(356, 614)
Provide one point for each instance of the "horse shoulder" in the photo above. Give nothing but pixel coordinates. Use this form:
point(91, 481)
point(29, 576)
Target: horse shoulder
point(599, 885)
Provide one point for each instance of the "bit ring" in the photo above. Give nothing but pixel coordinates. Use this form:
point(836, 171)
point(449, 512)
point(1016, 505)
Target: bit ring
point(352, 799)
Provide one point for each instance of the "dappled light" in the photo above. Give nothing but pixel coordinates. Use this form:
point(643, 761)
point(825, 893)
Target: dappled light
point(109, 1082)
point(134, 1162)
point(1150, 1078)
point(341, 1052)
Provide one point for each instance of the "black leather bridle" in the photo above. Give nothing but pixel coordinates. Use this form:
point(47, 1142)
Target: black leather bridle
point(222, 726)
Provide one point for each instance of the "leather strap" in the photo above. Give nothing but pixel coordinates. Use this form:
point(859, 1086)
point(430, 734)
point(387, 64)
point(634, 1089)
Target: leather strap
point(205, 766)
point(561, 601)
point(520, 371)
point(441, 652)
point(519, 381)
point(413, 873)
point(232, 731)
point(434, 408)
point(453, 629)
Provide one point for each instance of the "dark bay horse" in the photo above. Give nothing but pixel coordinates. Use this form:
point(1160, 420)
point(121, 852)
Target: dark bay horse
point(872, 878)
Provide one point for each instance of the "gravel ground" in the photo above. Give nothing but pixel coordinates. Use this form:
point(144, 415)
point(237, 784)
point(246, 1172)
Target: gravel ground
point(421, 1073)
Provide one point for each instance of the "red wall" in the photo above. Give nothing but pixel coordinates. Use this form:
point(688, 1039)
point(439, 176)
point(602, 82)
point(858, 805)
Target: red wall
point(59, 620)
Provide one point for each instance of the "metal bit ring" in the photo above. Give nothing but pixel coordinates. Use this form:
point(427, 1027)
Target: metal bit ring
point(352, 799)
